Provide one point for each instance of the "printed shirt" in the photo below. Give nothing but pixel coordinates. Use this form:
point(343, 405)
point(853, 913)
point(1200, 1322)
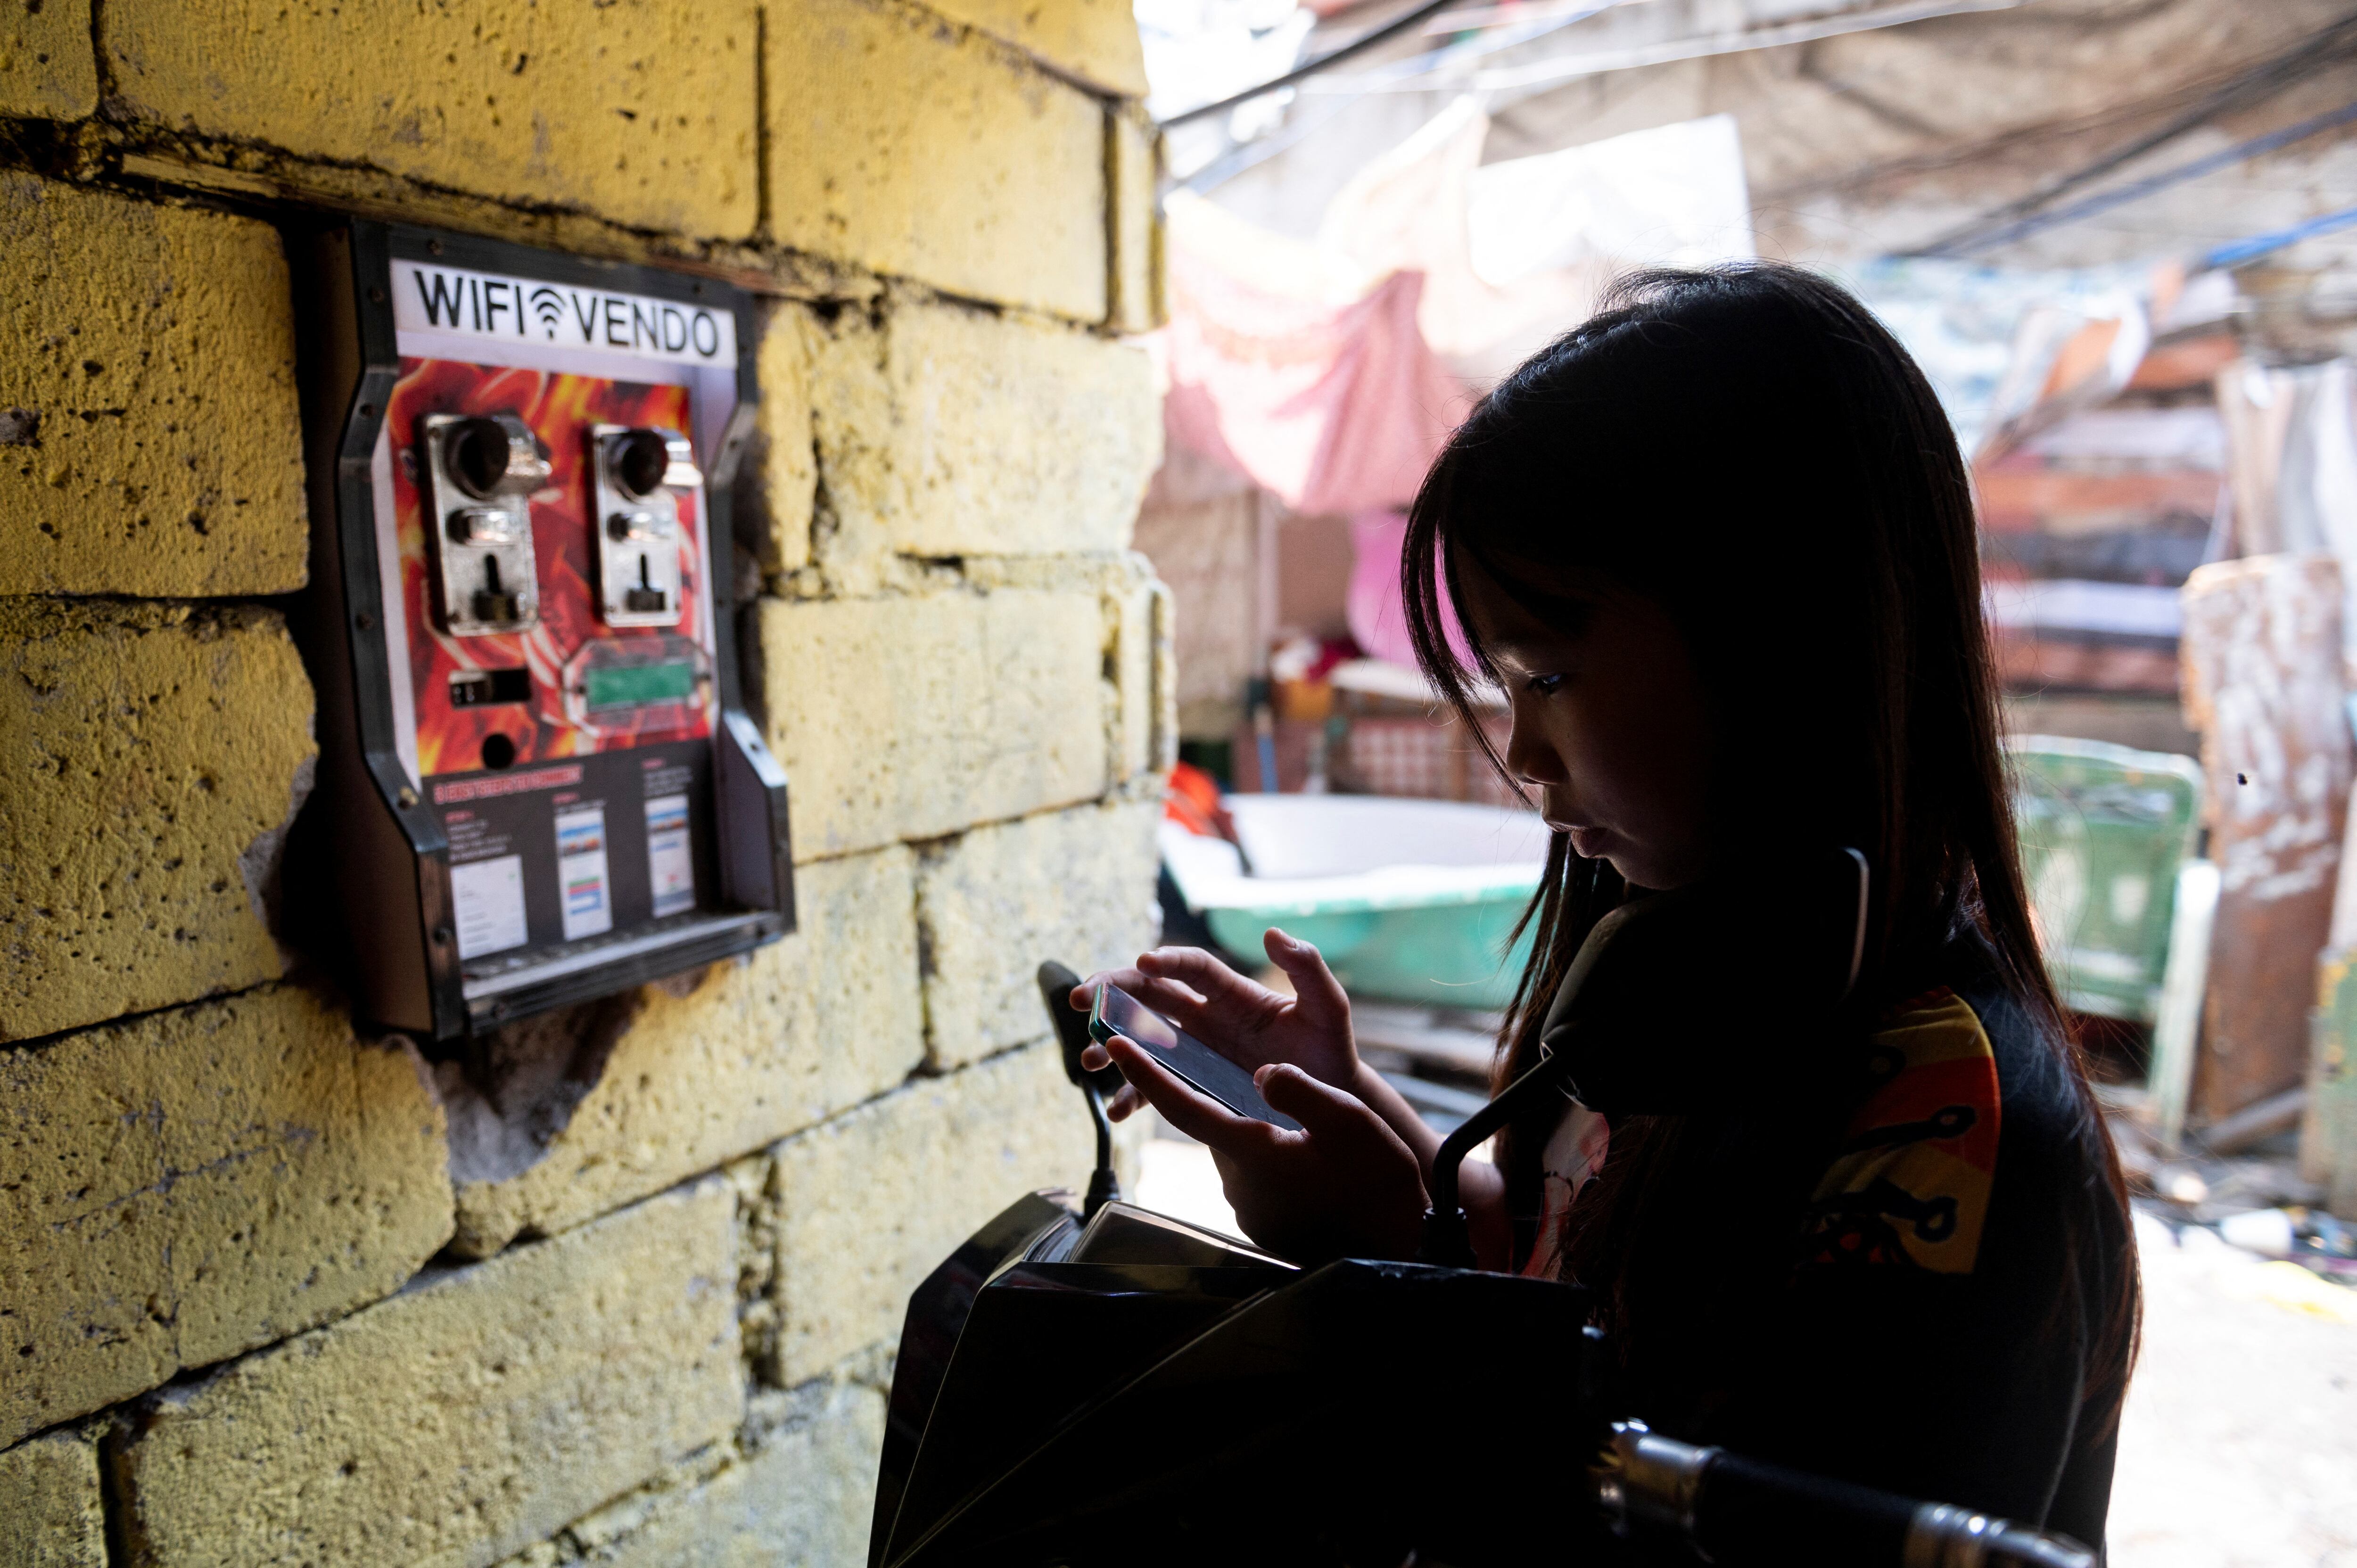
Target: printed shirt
point(1913, 1316)
point(1911, 1185)
point(1574, 1157)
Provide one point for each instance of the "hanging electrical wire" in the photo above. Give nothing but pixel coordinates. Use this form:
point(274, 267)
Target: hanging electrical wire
point(2327, 45)
point(2240, 152)
point(2235, 254)
point(1326, 61)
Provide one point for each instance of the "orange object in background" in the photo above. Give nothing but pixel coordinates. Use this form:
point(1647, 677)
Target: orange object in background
point(1192, 800)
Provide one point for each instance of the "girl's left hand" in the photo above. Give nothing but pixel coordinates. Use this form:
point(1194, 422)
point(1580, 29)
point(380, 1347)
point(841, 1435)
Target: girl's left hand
point(1242, 1019)
point(1345, 1185)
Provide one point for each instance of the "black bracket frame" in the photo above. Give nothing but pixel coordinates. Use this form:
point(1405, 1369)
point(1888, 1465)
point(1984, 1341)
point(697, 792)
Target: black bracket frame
point(390, 889)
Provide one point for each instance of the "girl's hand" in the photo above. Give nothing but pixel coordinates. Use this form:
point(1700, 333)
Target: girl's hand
point(1242, 1020)
point(1345, 1185)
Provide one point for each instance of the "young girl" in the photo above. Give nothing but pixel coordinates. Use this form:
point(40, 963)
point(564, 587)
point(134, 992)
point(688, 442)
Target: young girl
point(1717, 550)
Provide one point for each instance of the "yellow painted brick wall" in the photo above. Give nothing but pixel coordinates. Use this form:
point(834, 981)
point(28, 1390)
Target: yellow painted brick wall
point(461, 1419)
point(156, 755)
point(1093, 41)
point(48, 68)
point(937, 153)
point(148, 434)
point(909, 716)
point(192, 1184)
point(51, 1512)
point(948, 431)
point(868, 1203)
point(639, 111)
point(995, 901)
point(733, 1058)
point(620, 1286)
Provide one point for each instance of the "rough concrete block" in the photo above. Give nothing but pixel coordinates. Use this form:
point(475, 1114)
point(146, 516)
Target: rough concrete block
point(148, 436)
point(789, 463)
point(1135, 234)
point(758, 1047)
point(635, 110)
point(917, 150)
point(1093, 40)
point(1141, 734)
point(48, 69)
point(1139, 690)
point(912, 717)
point(461, 1420)
point(198, 1182)
point(804, 1495)
point(50, 1513)
point(155, 756)
point(869, 1203)
point(948, 431)
point(993, 903)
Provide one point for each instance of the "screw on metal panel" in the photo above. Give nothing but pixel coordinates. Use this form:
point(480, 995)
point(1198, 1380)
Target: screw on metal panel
point(376, 295)
point(364, 620)
point(441, 934)
point(408, 797)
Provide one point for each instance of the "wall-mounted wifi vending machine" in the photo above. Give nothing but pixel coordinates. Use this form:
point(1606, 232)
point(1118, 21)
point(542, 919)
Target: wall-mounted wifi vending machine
point(537, 782)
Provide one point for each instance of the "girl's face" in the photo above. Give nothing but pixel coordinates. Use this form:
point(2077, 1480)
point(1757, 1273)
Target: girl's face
point(1612, 730)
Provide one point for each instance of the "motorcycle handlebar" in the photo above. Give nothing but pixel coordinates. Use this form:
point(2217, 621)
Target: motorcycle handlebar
point(1738, 1510)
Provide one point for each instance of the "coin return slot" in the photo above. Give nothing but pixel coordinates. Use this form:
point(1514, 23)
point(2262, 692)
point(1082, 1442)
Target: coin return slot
point(482, 525)
point(484, 688)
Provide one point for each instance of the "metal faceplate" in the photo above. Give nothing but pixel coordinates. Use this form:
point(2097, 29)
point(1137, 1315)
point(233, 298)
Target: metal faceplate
point(480, 474)
point(641, 474)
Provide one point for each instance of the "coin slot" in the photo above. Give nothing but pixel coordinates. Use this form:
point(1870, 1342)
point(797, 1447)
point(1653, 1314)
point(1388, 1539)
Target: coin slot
point(646, 599)
point(493, 601)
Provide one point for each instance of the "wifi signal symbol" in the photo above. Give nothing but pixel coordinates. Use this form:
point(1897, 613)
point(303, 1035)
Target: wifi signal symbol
point(549, 305)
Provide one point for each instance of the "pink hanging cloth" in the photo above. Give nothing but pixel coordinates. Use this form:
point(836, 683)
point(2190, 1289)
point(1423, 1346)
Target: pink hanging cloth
point(1378, 617)
point(1334, 408)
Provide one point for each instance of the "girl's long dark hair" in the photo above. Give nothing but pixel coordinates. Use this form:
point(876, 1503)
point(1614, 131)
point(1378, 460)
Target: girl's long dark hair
point(1750, 448)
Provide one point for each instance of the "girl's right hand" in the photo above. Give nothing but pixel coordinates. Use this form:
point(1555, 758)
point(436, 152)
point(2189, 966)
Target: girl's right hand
point(1344, 1186)
point(1242, 1020)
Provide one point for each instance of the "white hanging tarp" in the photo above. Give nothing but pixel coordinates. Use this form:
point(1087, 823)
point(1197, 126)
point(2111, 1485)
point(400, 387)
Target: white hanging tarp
point(1672, 196)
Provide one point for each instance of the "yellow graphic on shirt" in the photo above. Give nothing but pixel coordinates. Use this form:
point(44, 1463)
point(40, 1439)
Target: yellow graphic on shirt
point(1911, 1188)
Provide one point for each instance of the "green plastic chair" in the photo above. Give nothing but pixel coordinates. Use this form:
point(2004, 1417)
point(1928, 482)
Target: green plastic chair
point(2104, 832)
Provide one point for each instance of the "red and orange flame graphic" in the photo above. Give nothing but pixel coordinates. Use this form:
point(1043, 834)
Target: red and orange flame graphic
point(561, 409)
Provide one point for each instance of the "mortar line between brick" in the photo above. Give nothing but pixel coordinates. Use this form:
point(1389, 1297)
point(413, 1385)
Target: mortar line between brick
point(1110, 178)
point(761, 214)
point(42, 1042)
point(1014, 53)
point(114, 1508)
point(100, 66)
point(284, 169)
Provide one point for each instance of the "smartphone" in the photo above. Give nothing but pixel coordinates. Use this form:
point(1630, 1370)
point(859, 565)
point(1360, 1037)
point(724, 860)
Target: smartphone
point(1116, 1012)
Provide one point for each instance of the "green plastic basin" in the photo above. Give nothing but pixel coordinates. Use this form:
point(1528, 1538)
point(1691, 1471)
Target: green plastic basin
point(1410, 901)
